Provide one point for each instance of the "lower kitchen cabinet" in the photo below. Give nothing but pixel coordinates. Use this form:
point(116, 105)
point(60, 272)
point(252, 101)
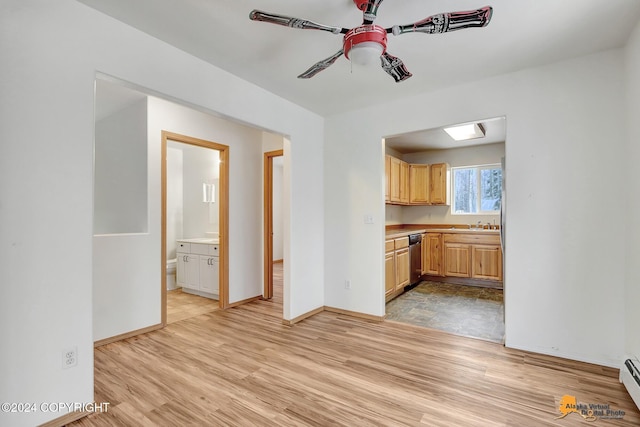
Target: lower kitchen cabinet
point(457, 260)
point(397, 266)
point(473, 255)
point(389, 273)
point(486, 262)
point(432, 254)
point(403, 269)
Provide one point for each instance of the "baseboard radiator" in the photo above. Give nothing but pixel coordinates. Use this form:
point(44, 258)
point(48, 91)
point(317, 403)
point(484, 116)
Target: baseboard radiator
point(630, 377)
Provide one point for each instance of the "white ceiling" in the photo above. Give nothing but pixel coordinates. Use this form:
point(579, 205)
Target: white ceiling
point(522, 34)
point(437, 139)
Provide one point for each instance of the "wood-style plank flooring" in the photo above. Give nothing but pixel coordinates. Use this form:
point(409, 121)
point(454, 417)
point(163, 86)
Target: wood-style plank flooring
point(182, 305)
point(243, 367)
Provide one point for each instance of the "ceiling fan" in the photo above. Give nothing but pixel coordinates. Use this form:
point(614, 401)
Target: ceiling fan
point(370, 40)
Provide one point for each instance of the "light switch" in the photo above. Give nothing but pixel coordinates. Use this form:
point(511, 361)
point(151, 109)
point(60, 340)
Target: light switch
point(368, 219)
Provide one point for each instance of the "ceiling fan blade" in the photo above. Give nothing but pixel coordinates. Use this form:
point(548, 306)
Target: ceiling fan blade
point(287, 21)
point(446, 22)
point(394, 67)
point(321, 65)
point(370, 11)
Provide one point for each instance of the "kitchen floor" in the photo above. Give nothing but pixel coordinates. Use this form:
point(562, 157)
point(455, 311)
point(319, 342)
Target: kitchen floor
point(468, 311)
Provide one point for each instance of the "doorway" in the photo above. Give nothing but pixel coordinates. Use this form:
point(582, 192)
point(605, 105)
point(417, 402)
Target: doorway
point(222, 202)
point(456, 292)
point(270, 227)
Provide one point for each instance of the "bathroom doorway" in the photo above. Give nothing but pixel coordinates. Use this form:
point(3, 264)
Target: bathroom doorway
point(212, 189)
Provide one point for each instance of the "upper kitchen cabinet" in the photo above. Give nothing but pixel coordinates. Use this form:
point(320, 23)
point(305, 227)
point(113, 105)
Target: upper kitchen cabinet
point(416, 184)
point(398, 181)
point(439, 188)
point(387, 178)
point(419, 184)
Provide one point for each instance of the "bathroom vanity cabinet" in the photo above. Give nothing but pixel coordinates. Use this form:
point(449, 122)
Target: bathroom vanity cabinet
point(197, 267)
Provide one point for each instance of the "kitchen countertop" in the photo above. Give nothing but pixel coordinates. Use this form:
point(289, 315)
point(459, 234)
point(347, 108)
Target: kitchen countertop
point(395, 233)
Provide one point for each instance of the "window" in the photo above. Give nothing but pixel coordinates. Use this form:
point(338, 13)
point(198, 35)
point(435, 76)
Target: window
point(477, 189)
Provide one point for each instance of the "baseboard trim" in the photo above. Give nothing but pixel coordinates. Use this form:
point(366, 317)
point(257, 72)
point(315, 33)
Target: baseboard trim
point(302, 317)
point(318, 310)
point(244, 301)
point(355, 314)
point(126, 335)
point(65, 419)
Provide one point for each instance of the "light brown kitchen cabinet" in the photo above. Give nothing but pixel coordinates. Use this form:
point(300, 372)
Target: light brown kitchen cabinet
point(457, 260)
point(486, 262)
point(387, 178)
point(390, 274)
point(402, 263)
point(439, 184)
point(397, 266)
point(398, 181)
point(432, 254)
point(418, 184)
point(394, 180)
point(404, 183)
point(402, 268)
point(474, 254)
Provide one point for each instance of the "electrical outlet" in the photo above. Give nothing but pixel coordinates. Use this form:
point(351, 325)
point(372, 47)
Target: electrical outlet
point(347, 284)
point(368, 219)
point(69, 357)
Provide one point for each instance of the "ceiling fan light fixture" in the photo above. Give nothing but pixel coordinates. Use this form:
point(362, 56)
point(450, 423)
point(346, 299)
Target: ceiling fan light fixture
point(364, 44)
point(465, 132)
point(366, 53)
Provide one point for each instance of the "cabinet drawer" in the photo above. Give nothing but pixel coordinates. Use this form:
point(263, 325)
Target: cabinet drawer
point(389, 246)
point(402, 242)
point(475, 237)
point(204, 249)
point(184, 247)
point(200, 249)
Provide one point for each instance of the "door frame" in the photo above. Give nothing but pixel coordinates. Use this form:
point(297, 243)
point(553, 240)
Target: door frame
point(223, 273)
point(268, 221)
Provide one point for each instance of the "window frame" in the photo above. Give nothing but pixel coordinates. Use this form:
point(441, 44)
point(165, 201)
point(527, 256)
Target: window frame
point(478, 171)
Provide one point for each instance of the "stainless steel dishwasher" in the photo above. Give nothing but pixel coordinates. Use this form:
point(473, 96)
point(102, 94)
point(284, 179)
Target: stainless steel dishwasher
point(415, 258)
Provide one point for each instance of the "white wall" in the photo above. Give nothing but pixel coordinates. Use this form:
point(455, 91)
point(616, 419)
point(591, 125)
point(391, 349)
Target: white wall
point(175, 199)
point(564, 276)
point(120, 180)
point(632, 189)
point(278, 203)
point(245, 186)
point(121, 261)
point(51, 52)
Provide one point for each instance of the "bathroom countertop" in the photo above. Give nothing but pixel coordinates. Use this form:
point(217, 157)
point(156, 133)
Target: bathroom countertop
point(203, 240)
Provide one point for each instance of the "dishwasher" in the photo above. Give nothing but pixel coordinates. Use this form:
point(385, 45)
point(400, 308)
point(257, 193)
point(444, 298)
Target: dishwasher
point(415, 258)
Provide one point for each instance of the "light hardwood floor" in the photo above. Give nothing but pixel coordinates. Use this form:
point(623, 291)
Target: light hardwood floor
point(182, 305)
point(243, 367)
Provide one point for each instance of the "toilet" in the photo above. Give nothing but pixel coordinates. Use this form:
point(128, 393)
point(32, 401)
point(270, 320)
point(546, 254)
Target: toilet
point(171, 274)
